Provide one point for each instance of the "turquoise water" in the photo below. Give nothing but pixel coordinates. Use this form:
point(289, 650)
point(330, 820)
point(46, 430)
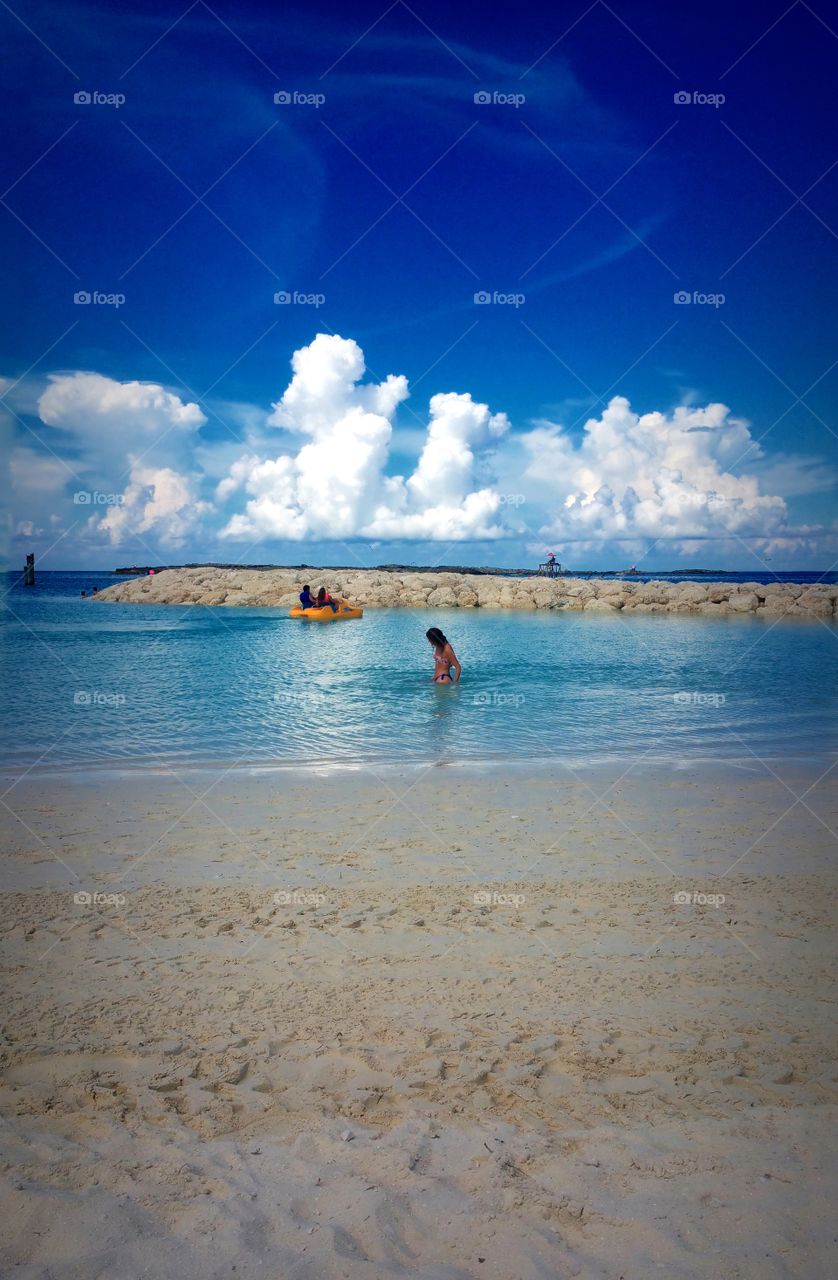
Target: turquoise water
point(88, 683)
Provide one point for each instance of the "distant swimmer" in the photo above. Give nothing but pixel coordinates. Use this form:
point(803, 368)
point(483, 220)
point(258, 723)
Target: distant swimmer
point(444, 658)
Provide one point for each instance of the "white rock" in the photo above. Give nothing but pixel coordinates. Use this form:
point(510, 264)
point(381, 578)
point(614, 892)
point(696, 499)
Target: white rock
point(281, 587)
point(742, 602)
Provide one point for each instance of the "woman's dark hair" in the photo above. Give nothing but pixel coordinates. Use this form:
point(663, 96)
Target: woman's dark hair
point(321, 594)
point(436, 637)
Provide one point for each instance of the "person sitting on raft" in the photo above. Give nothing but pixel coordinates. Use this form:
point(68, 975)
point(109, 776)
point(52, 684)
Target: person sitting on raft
point(306, 598)
point(323, 598)
point(444, 658)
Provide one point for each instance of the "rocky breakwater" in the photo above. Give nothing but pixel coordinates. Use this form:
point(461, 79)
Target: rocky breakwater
point(374, 589)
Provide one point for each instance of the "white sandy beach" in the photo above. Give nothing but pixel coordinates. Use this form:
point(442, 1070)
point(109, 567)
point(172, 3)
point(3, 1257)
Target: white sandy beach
point(438, 1023)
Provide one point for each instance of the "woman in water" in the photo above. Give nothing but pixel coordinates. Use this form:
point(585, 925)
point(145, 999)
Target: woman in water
point(444, 658)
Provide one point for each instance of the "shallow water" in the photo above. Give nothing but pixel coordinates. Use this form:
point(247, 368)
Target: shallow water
point(89, 683)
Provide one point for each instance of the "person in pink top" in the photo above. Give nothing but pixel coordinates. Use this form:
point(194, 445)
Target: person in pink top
point(323, 598)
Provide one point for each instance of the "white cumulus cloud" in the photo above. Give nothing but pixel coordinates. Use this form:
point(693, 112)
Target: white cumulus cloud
point(335, 485)
point(330, 462)
point(157, 501)
point(135, 442)
point(95, 406)
point(650, 476)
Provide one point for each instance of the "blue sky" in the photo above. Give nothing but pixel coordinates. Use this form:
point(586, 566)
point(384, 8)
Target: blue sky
point(382, 197)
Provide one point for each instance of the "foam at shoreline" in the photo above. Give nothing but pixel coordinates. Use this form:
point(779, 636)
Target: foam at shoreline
point(809, 766)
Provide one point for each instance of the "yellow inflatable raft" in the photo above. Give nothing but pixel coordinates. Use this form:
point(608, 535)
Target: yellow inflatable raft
point(327, 613)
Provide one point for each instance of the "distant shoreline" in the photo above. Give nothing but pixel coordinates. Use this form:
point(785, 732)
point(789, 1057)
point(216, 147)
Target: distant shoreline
point(476, 570)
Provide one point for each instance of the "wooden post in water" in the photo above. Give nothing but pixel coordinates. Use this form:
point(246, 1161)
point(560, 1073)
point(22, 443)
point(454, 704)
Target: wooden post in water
point(29, 571)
